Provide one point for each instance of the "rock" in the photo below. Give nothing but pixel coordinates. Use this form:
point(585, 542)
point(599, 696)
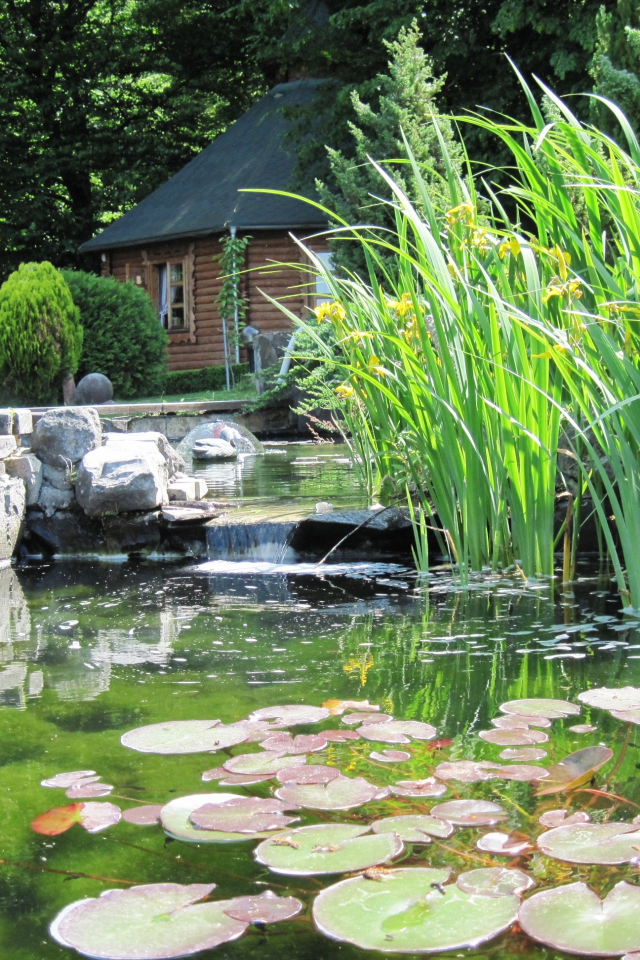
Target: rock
point(51, 499)
point(201, 488)
point(12, 511)
point(182, 489)
point(67, 534)
point(193, 513)
point(63, 436)
point(6, 422)
point(28, 468)
point(268, 350)
point(8, 446)
point(22, 422)
point(175, 463)
point(122, 477)
point(324, 507)
point(133, 534)
point(92, 390)
point(57, 477)
point(213, 450)
point(241, 438)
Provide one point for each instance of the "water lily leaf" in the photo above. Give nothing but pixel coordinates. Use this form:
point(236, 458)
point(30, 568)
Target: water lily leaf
point(216, 773)
point(514, 722)
point(409, 911)
point(397, 731)
point(501, 843)
point(244, 779)
point(262, 763)
point(244, 815)
point(588, 727)
point(353, 719)
point(291, 714)
point(340, 736)
point(559, 818)
point(390, 756)
point(285, 743)
point(603, 843)
point(429, 787)
point(467, 771)
point(494, 882)
point(152, 922)
point(628, 716)
point(414, 829)
point(82, 790)
point(96, 817)
point(514, 738)
point(339, 794)
point(610, 698)
point(541, 708)
point(184, 736)
point(327, 848)
point(175, 815)
point(576, 768)
point(65, 780)
point(58, 820)
point(338, 707)
point(522, 772)
point(572, 918)
point(469, 813)
point(267, 908)
point(312, 773)
point(523, 753)
point(143, 816)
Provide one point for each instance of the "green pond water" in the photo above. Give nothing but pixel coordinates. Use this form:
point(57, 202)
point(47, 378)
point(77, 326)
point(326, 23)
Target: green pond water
point(91, 651)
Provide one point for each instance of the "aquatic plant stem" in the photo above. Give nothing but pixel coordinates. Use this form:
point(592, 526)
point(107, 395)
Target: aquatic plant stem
point(73, 874)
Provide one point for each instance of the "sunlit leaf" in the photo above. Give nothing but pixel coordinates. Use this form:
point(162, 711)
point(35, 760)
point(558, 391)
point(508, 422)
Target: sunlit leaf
point(418, 828)
point(540, 708)
point(58, 820)
point(604, 843)
point(185, 736)
point(494, 881)
point(341, 793)
point(576, 769)
point(469, 812)
point(327, 848)
point(397, 731)
point(266, 908)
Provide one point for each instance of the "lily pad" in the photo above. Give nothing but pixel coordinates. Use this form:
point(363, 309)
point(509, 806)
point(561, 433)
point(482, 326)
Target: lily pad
point(312, 773)
point(262, 763)
point(467, 771)
point(291, 714)
point(414, 829)
point(523, 753)
point(65, 780)
point(576, 768)
point(303, 743)
point(175, 815)
point(390, 756)
point(184, 736)
point(216, 773)
point(514, 738)
point(244, 779)
point(83, 790)
point(494, 882)
point(429, 787)
point(541, 708)
point(586, 727)
point(512, 721)
point(94, 817)
point(152, 922)
point(143, 816)
point(327, 848)
point(339, 794)
point(628, 716)
point(244, 815)
point(340, 736)
point(559, 818)
point(469, 813)
point(338, 707)
point(267, 908)
point(602, 843)
point(502, 844)
point(409, 911)
point(397, 731)
point(610, 698)
point(573, 919)
point(353, 719)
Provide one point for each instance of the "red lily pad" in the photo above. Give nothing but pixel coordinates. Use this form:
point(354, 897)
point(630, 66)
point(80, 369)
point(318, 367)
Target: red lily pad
point(417, 828)
point(429, 787)
point(303, 743)
point(266, 908)
point(494, 882)
point(469, 813)
point(65, 780)
point(291, 714)
point(397, 731)
point(523, 753)
point(262, 763)
point(514, 738)
point(312, 773)
point(353, 719)
point(143, 816)
point(502, 844)
point(243, 815)
point(390, 756)
point(84, 790)
point(340, 736)
point(559, 818)
point(551, 709)
point(339, 794)
point(338, 707)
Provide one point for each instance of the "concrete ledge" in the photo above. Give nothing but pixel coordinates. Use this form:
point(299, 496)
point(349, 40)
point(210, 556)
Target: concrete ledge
point(157, 409)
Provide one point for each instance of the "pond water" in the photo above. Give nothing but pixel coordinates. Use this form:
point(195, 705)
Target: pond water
point(95, 650)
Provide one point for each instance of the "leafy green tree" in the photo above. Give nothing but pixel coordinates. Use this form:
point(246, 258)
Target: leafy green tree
point(354, 190)
point(616, 64)
point(40, 333)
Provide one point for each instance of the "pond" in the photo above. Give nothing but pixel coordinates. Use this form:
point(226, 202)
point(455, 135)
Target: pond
point(94, 651)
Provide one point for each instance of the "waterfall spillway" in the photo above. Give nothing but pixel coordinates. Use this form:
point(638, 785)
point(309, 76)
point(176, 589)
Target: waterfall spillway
point(265, 540)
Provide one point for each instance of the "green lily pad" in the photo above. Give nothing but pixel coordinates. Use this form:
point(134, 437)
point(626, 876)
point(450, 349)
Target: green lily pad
point(327, 848)
point(414, 829)
point(185, 736)
point(576, 768)
point(409, 911)
point(494, 882)
point(339, 794)
point(469, 813)
point(574, 919)
point(153, 922)
point(175, 819)
point(541, 708)
point(429, 787)
point(604, 843)
point(242, 815)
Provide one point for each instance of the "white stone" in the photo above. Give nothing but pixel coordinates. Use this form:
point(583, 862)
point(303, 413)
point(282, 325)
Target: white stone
point(175, 463)
point(57, 477)
point(8, 446)
point(22, 421)
point(182, 489)
point(214, 450)
point(121, 477)
point(12, 509)
point(6, 422)
point(201, 488)
point(28, 468)
point(61, 437)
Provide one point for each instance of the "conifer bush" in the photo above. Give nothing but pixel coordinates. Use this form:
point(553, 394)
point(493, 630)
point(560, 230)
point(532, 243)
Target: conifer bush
point(123, 336)
point(40, 334)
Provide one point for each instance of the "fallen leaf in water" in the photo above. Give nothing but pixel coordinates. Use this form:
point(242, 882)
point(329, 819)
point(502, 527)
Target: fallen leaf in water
point(575, 770)
point(58, 820)
point(338, 707)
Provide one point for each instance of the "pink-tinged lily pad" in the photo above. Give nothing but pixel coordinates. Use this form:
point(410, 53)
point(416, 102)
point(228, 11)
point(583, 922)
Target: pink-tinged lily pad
point(512, 721)
point(523, 753)
point(83, 790)
point(143, 816)
point(262, 763)
point(154, 922)
point(559, 818)
point(291, 714)
point(353, 719)
point(514, 738)
point(602, 843)
point(467, 771)
point(611, 698)
point(184, 736)
point(627, 716)
point(266, 908)
point(338, 707)
point(414, 829)
point(327, 848)
point(429, 787)
point(339, 794)
point(175, 815)
point(408, 910)
point(551, 709)
point(216, 773)
point(65, 780)
point(502, 844)
point(390, 756)
point(303, 743)
point(397, 731)
point(575, 770)
point(494, 882)
point(340, 736)
point(469, 813)
point(98, 816)
point(522, 772)
point(583, 728)
point(312, 773)
point(244, 779)
point(573, 919)
point(244, 815)
point(259, 730)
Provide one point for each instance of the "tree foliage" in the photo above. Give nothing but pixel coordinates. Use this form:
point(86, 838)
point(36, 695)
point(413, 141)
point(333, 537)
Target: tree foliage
point(40, 334)
point(616, 64)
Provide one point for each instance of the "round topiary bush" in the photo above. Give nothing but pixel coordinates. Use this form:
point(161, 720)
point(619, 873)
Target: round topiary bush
point(123, 338)
point(40, 334)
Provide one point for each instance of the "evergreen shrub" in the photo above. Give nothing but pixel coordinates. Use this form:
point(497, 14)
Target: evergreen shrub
point(40, 334)
point(123, 336)
point(207, 378)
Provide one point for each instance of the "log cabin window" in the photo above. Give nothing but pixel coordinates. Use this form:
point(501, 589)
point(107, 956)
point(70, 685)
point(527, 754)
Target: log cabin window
point(322, 292)
point(171, 284)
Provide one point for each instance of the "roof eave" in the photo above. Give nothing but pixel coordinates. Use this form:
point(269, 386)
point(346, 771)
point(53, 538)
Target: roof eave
point(92, 247)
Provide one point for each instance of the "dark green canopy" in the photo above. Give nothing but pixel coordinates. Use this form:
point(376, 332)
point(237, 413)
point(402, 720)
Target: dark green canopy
point(204, 196)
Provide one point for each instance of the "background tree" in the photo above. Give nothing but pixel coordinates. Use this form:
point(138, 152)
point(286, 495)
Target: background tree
point(616, 64)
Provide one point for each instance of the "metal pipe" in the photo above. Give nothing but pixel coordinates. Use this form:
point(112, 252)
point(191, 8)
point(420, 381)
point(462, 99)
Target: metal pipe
point(236, 320)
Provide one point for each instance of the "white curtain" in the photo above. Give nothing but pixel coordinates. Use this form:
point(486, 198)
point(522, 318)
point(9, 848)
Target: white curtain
point(163, 296)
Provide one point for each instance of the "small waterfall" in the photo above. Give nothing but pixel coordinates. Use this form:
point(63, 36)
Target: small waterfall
point(266, 541)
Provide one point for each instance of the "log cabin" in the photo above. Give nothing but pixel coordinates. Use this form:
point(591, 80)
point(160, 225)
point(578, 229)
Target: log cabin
point(169, 243)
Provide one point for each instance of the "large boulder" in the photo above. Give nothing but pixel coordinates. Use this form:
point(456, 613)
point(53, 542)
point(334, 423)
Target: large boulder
point(239, 437)
point(213, 450)
point(93, 389)
point(122, 477)
point(175, 463)
point(28, 468)
point(61, 437)
point(12, 509)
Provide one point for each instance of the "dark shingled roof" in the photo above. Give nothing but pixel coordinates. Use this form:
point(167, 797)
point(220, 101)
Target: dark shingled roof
point(203, 197)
